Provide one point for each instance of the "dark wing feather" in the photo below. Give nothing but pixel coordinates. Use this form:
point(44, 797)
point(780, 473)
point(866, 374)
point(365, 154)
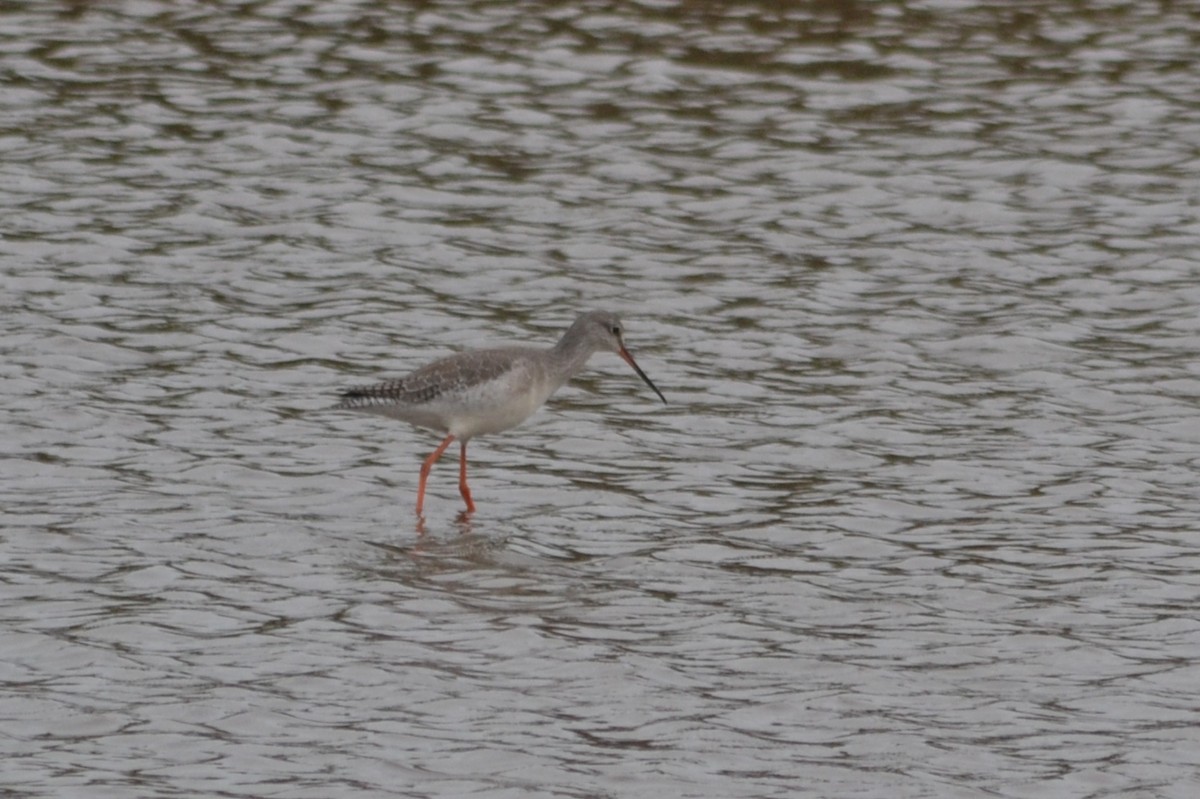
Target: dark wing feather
point(432, 381)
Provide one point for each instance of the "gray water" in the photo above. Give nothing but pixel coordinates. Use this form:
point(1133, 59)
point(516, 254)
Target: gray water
point(919, 279)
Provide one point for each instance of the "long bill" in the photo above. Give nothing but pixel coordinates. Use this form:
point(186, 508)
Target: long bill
point(624, 353)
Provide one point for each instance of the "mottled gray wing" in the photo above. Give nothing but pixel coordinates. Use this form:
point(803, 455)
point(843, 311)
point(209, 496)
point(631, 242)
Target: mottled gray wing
point(426, 384)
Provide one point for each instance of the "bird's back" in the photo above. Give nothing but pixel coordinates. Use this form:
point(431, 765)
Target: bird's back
point(467, 394)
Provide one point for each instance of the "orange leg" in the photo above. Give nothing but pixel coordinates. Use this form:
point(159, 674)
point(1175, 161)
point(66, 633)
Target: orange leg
point(426, 467)
point(462, 479)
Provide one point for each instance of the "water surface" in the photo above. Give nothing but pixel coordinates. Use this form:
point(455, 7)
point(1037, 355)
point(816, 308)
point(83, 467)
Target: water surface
point(918, 279)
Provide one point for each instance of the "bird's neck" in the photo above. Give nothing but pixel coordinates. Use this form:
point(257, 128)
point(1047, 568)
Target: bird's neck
point(571, 355)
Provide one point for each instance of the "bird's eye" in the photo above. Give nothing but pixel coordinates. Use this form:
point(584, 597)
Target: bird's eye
point(615, 330)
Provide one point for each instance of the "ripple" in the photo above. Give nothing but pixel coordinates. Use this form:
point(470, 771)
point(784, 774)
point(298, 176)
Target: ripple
point(918, 281)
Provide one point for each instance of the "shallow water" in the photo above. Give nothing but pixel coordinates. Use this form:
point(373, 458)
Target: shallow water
point(918, 279)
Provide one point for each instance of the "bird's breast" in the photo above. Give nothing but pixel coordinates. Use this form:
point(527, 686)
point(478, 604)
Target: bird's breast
point(498, 404)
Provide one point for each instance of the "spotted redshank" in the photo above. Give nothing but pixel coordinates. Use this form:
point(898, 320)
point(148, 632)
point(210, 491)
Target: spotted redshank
point(486, 391)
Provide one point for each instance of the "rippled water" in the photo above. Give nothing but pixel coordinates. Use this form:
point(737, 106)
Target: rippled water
point(918, 278)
